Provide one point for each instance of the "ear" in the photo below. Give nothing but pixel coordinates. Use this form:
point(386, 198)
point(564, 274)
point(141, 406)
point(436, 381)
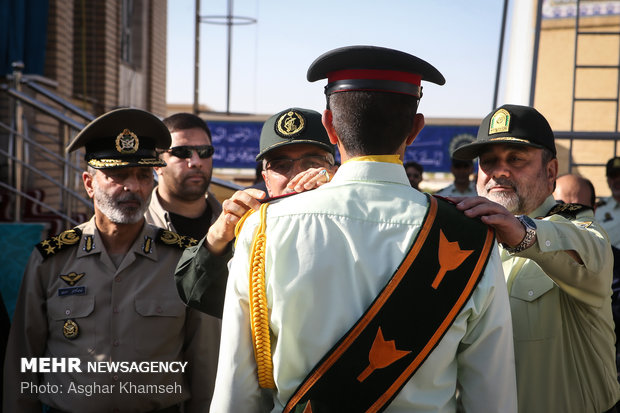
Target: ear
point(264, 173)
point(158, 170)
point(327, 120)
point(552, 170)
point(88, 183)
point(418, 124)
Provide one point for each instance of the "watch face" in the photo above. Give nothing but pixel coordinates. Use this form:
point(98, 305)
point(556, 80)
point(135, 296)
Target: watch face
point(527, 221)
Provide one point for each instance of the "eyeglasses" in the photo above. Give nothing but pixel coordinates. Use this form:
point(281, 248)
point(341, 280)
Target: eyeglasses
point(184, 152)
point(284, 166)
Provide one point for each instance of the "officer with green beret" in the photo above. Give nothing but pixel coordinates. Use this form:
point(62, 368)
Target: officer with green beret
point(102, 294)
point(557, 262)
point(297, 156)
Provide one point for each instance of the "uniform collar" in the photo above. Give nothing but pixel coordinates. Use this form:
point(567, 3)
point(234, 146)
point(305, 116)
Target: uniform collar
point(544, 208)
point(371, 171)
point(91, 242)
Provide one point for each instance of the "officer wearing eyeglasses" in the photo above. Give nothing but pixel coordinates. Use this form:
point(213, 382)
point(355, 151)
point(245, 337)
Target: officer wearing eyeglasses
point(181, 202)
point(297, 156)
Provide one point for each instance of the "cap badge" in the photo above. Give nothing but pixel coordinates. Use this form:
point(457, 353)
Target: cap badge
point(500, 122)
point(127, 142)
point(290, 124)
point(70, 330)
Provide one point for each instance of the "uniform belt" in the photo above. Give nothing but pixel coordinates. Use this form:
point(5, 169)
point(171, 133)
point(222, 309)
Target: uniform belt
point(171, 409)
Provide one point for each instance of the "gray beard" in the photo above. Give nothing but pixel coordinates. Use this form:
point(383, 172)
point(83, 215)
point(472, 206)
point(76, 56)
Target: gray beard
point(109, 206)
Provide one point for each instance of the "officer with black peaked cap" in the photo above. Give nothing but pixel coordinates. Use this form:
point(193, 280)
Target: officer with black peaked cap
point(122, 138)
point(341, 249)
point(104, 292)
point(558, 266)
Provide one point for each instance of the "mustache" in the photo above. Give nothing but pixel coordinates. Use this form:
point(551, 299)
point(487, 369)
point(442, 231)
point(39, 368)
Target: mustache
point(500, 182)
point(129, 197)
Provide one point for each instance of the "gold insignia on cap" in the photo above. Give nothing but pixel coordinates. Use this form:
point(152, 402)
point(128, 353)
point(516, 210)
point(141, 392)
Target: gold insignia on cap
point(72, 278)
point(290, 123)
point(107, 163)
point(70, 330)
point(127, 142)
point(500, 122)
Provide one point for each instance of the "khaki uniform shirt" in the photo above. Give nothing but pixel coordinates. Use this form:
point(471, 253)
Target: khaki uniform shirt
point(127, 314)
point(158, 216)
point(608, 214)
point(206, 287)
point(452, 191)
point(561, 316)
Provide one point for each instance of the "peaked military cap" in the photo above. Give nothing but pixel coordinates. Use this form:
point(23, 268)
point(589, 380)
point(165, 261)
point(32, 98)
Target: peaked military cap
point(293, 126)
point(373, 68)
point(613, 166)
point(123, 138)
point(510, 124)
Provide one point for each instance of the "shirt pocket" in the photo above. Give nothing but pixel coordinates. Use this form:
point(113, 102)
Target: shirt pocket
point(66, 315)
point(160, 327)
point(534, 304)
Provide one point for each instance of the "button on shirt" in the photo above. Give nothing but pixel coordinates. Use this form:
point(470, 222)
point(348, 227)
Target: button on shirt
point(139, 318)
point(561, 315)
point(329, 252)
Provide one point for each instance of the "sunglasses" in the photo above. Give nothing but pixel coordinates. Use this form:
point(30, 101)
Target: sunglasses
point(284, 166)
point(184, 152)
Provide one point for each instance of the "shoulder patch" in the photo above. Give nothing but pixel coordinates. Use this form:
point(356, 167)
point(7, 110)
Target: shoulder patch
point(65, 239)
point(569, 211)
point(173, 239)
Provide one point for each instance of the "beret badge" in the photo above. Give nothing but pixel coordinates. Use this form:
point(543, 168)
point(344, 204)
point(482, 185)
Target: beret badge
point(127, 142)
point(290, 124)
point(500, 122)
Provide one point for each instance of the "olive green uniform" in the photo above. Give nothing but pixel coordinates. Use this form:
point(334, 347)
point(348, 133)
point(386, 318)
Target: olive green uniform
point(561, 315)
point(125, 313)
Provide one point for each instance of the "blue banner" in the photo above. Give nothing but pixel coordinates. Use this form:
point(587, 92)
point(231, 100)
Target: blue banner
point(236, 144)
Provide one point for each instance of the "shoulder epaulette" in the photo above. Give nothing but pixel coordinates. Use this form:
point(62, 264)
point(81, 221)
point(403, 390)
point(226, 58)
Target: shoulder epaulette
point(569, 211)
point(173, 239)
point(65, 239)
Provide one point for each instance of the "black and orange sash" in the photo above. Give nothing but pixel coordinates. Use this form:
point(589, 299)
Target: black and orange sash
point(366, 369)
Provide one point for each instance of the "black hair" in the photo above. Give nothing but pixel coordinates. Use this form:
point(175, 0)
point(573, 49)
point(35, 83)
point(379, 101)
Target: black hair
point(372, 123)
point(184, 121)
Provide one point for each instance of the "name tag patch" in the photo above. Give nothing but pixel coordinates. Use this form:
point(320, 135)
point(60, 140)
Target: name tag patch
point(81, 290)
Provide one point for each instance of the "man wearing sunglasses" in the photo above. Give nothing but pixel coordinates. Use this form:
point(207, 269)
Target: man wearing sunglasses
point(181, 201)
point(297, 156)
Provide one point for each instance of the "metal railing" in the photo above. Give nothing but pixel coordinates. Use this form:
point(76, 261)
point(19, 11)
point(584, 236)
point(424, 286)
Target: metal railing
point(28, 157)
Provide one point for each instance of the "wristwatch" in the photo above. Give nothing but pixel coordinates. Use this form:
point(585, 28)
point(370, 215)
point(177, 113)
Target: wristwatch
point(530, 235)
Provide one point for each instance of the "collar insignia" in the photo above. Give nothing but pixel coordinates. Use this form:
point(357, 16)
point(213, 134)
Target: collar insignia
point(88, 243)
point(147, 248)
